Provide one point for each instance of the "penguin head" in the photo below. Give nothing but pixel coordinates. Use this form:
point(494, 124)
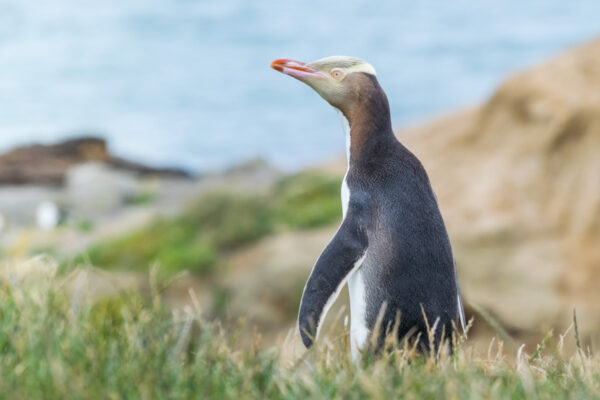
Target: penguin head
point(342, 81)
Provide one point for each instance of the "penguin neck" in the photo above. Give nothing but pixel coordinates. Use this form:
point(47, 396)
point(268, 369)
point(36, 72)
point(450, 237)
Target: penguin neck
point(366, 126)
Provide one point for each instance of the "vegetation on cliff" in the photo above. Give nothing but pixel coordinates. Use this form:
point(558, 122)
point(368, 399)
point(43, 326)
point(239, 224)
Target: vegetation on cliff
point(220, 222)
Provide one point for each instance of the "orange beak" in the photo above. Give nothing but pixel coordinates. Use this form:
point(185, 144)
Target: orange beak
point(295, 69)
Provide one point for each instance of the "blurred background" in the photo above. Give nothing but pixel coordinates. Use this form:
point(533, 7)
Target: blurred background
point(153, 133)
point(187, 83)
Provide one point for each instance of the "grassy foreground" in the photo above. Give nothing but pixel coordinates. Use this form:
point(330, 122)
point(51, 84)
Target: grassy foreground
point(53, 345)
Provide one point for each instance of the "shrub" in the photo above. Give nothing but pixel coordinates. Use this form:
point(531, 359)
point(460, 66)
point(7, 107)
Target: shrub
point(220, 222)
point(308, 200)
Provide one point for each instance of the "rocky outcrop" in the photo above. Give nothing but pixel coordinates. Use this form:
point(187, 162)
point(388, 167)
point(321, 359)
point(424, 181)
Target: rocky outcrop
point(48, 164)
point(518, 181)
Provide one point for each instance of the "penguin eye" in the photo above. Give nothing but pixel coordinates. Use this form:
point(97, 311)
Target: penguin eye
point(337, 74)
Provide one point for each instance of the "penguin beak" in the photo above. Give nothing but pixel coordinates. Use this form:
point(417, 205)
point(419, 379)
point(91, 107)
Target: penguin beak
point(296, 69)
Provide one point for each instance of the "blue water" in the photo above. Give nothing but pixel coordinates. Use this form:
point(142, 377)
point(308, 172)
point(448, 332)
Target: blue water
point(182, 82)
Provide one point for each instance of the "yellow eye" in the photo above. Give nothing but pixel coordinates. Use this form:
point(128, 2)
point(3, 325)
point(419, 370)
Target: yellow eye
point(337, 73)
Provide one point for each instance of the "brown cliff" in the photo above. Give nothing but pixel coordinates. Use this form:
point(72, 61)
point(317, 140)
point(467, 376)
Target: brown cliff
point(48, 164)
point(518, 181)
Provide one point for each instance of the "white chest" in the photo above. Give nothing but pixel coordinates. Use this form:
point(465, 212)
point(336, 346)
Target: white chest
point(345, 197)
point(345, 188)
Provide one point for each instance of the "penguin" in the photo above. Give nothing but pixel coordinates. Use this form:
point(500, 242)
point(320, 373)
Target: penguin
point(392, 247)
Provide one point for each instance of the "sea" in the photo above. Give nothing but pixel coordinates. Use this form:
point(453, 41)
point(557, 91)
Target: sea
point(187, 83)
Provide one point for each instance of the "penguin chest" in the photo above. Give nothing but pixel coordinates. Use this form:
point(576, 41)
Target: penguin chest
point(345, 196)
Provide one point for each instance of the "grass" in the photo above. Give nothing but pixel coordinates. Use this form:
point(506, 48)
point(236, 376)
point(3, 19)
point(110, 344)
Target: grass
point(194, 241)
point(220, 222)
point(308, 200)
point(140, 199)
point(129, 347)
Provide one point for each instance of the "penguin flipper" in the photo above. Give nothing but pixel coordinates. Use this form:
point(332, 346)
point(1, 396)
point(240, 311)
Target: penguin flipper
point(341, 257)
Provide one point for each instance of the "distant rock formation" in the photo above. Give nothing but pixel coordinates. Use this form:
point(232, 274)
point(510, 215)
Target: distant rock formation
point(48, 164)
point(518, 181)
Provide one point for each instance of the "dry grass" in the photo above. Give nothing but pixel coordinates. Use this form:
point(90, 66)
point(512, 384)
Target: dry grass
point(53, 345)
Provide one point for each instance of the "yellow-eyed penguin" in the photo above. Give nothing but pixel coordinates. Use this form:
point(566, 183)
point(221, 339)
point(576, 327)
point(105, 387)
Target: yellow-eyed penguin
point(392, 246)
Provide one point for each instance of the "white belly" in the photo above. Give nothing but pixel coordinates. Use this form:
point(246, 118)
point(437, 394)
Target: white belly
point(358, 308)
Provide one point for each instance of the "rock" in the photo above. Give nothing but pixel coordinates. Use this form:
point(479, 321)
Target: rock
point(94, 189)
point(19, 204)
point(253, 175)
point(519, 187)
point(48, 164)
point(144, 170)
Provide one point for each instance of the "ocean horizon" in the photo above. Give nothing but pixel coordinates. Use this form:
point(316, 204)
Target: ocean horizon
point(188, 84)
